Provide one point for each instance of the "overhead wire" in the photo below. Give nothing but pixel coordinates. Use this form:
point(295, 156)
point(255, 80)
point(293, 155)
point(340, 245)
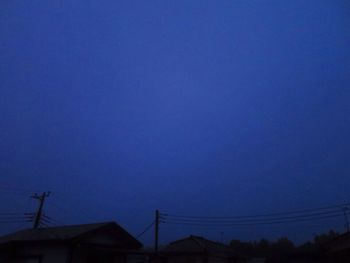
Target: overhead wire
point(301, 216)
point(338, 206)
point(52, 220)
point(1, 214)
point(7, 217)
point(16, 190)
point(248, 223)
point(145, 230)
point(76, 210)
point(261, 219)
point(13, 216)
point(47, 222)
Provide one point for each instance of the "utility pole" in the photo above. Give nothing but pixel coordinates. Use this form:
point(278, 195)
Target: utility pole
point(222, 237)
point(346, 218)
point(156, 232)
point(39, 213)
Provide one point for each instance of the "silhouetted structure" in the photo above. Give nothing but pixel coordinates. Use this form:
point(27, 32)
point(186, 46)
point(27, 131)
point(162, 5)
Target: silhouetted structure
point(337, 250)
point(199, 249)
point(100, 242)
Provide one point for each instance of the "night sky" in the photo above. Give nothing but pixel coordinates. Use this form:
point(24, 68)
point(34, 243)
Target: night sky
point(193, 107)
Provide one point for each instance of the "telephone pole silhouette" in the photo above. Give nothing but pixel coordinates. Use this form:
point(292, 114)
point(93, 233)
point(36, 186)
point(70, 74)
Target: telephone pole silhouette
point(345, 211)
point(39, 212)
point(156, 232)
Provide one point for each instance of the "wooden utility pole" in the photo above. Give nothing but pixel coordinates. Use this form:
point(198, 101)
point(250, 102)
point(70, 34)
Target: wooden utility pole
point(345, 211)
point(156, 232)
point(39, 213)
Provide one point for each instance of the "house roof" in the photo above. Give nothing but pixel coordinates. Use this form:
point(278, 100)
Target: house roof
point(68, 233)
point(196, 244)
point(340, 242)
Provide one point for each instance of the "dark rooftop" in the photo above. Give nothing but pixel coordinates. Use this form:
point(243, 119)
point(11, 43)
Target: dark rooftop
point(196, 244)
point(65, 233)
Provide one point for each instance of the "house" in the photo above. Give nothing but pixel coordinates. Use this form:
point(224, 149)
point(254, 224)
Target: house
point(338, 249)
point(195, 249)
point(89, 243)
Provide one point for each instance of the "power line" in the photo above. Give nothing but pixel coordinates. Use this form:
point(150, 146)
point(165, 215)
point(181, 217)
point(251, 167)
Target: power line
point(47, 222)
point(261, 219)
point(76, 210)
point(42, 223)
point(146, 229)
point(1, 214)
point(237, 220)
point(13, 221)
point(10, 187)
point(52, 220)
point(13, 217)
point(249, 223)
point(16, 190)
point(37, 218)
point(63, 211)
point(338, 206)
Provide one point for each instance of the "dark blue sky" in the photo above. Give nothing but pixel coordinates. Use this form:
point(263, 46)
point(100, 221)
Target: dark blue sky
point(192, 107)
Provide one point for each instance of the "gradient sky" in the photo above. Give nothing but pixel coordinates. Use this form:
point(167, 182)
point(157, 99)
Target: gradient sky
point(193, 107)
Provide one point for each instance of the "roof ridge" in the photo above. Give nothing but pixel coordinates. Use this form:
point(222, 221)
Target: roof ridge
point(179, 240)
point(38, 231)
point(62, 226)
point(196, 239)
point(70, 233)
point(77, 225)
